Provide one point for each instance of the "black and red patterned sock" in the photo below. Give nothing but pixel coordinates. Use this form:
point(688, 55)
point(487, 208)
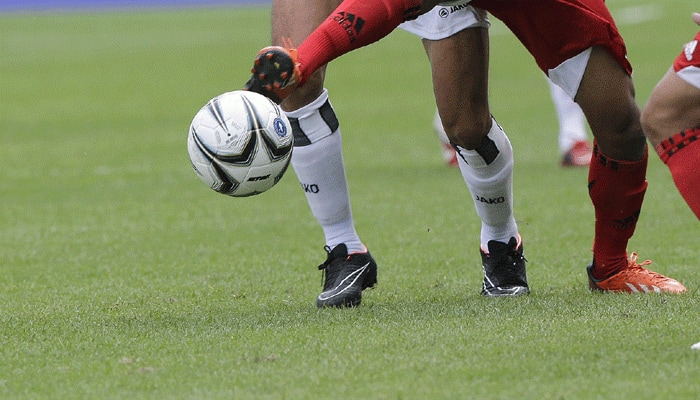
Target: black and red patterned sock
point(617, 190)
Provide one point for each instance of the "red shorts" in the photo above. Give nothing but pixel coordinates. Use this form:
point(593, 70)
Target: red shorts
point(690, 56)
point(687, 64)
point(554, 31)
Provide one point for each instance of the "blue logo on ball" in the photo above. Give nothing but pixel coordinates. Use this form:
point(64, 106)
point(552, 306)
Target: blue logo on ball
point(280, 127)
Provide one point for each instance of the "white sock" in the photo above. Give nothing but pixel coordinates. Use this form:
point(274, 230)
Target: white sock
point(488, 173)
point(318, 163)
point(572, 121)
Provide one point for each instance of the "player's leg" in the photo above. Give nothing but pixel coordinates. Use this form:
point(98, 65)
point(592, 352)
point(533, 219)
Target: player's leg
point(278, 70)
point(573, 136)
point(440, 24)
point(673, 106)
point(617, 177)
point(460, 79)
point(318, 161)
point(671, 120)
point(354, 24)
point(577, 44)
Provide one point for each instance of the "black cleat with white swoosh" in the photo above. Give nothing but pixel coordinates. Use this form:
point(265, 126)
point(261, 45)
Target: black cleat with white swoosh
point(346, 276)
point(504, 269)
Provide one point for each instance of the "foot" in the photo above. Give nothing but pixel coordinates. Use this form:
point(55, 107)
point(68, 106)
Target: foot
point(578, 156)
point(346, 276)
point(634, 279)
point(504, 269)
point(275, 73)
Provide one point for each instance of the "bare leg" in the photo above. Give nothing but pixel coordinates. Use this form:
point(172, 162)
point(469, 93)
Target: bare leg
point(485, 156)
point(673, 106)
point(671, 121)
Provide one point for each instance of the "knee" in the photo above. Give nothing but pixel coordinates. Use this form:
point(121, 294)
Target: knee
point(624, 137)
point(468, 132)
point(629, 129)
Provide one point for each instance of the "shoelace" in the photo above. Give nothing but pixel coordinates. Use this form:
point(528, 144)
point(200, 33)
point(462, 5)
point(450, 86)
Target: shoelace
point(634, 265)
point(326, 263)
point(324, 267)
point(516, 257)
point(633, 260)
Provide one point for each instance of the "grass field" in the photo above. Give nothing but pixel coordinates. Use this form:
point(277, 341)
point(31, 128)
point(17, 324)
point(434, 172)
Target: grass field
point(122, 276)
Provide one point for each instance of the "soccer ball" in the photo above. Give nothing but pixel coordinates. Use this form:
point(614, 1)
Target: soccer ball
point(240, 143)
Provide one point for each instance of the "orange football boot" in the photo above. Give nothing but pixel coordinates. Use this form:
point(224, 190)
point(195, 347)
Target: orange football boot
point(275, 72)
point(635, 279)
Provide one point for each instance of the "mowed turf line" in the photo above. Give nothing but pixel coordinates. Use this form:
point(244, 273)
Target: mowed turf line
point(124, 277)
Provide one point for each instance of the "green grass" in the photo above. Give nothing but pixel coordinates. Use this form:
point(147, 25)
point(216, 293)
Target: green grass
point(122, 276)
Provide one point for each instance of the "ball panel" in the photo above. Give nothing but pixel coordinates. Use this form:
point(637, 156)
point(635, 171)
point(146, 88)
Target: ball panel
point(208, 170)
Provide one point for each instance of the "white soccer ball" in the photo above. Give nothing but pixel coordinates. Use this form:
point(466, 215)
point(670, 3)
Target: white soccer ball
point(240, 143)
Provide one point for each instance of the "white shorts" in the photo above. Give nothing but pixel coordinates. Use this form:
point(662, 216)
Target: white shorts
point(569, 74)
point(444, 21)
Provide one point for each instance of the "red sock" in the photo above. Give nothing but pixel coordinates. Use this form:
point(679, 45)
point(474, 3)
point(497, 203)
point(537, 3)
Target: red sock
point(355, 23)
point(617, 191)
point(681, 153)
